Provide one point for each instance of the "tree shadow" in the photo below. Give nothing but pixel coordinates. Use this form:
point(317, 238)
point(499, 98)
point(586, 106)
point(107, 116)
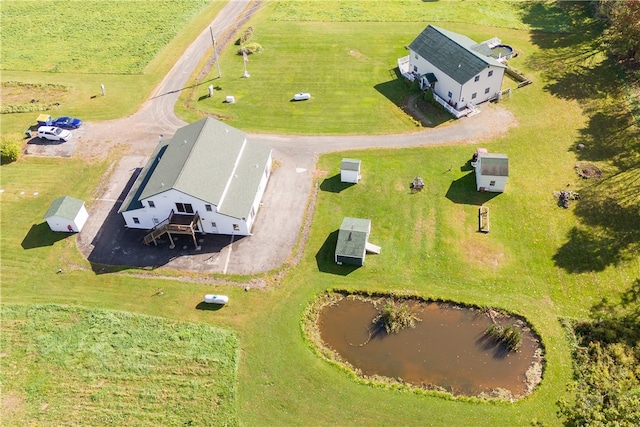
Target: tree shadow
point(463, 191)
point(40, 235)
point(614, 321)
point(610, 135)
point(334, 184)
point(608, 234)
point(325, 258)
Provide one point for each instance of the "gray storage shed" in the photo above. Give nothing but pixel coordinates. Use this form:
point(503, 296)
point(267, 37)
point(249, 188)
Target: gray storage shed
point(352, 241)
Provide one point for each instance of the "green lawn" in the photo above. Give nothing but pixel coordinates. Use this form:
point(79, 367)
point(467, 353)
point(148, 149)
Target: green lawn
point(539, 260)
point(94, 367)
point(155, 37)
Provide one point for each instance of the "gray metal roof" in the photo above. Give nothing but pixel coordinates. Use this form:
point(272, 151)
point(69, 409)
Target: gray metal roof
point(452, 53)
point(202, 160)
point(352, 237)
point(350, 164)
point(492, 164)
point(65, 207)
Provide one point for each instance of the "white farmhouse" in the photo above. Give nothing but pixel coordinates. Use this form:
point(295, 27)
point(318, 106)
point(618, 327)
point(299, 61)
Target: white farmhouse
point(66, 214)
point(492, 171)
point(208, 178)
point(461, 72)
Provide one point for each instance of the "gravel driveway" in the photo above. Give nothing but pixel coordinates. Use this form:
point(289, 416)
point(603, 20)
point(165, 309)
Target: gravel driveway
point(105, 242)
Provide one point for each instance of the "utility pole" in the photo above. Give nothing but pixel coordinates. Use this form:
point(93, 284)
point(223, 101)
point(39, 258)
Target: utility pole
point(215, 52)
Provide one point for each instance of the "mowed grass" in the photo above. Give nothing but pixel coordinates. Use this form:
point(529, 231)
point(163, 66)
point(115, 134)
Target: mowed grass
point(130, 63)
point(73, 366)
point(344, 53)
point(101, 37)
point(534, 262)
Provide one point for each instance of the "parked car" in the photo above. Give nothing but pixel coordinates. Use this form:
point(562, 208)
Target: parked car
point(67, 122)
point(53, 133)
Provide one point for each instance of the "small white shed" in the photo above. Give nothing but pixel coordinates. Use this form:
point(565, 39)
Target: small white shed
point(67, 214)
point(492, 171)
point(350, 170)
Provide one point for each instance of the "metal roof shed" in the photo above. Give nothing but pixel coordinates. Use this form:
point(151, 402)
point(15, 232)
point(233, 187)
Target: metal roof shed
point(352, 241)
point(350, 170)
point(66, 214)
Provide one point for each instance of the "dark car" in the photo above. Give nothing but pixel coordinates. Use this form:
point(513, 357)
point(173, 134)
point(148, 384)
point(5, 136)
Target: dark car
point(67, 122)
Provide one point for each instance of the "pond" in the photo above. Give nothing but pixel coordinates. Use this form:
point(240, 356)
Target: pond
point(446, 350)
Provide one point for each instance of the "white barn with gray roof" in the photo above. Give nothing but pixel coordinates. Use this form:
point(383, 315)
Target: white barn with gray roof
point(492, 172)
point(208, 171)
point(461, 72)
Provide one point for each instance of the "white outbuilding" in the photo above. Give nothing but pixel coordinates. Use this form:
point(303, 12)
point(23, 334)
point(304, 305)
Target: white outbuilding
point(350, 170)
point(492, 171)
point(67, 214)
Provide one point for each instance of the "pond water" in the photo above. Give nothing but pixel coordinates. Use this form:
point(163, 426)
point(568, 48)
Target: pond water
point(447, 349)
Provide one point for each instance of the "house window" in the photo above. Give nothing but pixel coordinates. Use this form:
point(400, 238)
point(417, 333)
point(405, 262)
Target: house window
point(490, 73)
point(214, 225)
point(474, 95)
point(184, 208)
point(476, 79)
point(486, 90)
point(136, 220)
point(236, 227)
point(416, 56)
point(208, 208)
point(449, 94)
point(492, 183)
point(151, 204)
point(415, 68)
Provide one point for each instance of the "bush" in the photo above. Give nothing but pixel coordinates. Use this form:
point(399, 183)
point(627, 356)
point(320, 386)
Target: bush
point(395, 317)
point(509, 336)
point(9, 151)
point(251, 48)
point(245, 36)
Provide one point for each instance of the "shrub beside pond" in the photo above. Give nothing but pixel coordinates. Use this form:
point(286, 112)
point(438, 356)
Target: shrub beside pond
point(509, 336)
point(396, 316)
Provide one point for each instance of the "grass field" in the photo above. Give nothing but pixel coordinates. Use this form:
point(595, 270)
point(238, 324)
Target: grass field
point(119, 368)
point(539, 260)
point(87, 61)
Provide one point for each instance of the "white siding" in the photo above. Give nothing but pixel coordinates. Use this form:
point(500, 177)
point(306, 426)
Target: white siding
point(349, 176)
point(460, 94)
point(494, 83)
point(66, 225)
point(166, 201)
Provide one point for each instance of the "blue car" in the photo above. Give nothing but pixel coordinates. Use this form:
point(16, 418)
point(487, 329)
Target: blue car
point(67, 123)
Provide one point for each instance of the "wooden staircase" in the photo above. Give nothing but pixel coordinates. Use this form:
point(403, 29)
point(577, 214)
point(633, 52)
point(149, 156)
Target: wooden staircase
point(175, 224)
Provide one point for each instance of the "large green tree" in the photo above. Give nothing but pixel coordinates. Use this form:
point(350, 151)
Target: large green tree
point(623, 33)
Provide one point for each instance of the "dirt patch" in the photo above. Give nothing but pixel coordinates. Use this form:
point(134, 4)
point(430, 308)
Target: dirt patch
point(11, 403)
point(588, 170)
point(481, 254)
point(424, 229)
